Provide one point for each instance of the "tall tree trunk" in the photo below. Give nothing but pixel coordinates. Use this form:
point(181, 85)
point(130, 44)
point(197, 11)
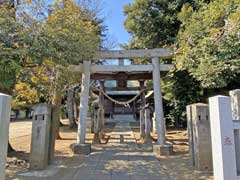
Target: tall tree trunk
point(70, 107)
point(57, 101)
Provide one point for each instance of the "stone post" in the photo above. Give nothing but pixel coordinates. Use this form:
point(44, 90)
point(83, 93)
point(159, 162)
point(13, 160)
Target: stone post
point(190, 134)
point(81, 147)
point(148, 138)
point(40, 143)
point(199, 136)
point(101, 104)
point(52, 137)
point(134, 110)
point(5, 111)
point(142, 123)
point(70, 107)
point(96, 120)
point(235, 97)
point(95, 123)
point(224, 158)
point(154, 128)
point(160, 148)
point(142, 117)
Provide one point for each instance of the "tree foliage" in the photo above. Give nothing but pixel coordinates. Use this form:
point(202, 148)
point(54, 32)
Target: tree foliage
point(209, 43)
point(153, 23)
point(72, 33)
point(36, 42)
point(10, 49)
point(25, 95)
point(206, 36)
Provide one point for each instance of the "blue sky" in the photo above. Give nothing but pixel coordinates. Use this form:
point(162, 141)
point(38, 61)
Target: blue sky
point(114, 19)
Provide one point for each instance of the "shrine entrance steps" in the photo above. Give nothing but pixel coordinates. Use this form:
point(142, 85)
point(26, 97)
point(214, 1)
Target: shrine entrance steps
point(122, 118)
point(120, 159)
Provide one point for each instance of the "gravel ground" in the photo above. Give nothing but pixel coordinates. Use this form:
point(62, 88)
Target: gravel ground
point(177, 166)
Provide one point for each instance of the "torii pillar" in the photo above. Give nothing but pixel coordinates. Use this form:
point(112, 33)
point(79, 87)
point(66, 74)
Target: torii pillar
point(81, 147)
point(161, 148)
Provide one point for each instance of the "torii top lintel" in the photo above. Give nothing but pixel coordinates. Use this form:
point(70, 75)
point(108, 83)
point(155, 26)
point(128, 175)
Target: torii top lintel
point(163, 53)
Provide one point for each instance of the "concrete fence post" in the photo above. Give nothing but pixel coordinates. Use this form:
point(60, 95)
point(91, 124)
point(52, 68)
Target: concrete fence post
point(190, 134)
point(5, 111)
point(154, 129)
point(199, 136)
point(148, 125)
point(235, 97)
point(235, 102)
point(52, 137)
point(40, 144)
point(142, 123)
point(223, 145)
point(97, 126)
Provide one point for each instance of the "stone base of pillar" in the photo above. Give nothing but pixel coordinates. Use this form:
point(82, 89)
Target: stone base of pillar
point(82, 149)
point(163, 150)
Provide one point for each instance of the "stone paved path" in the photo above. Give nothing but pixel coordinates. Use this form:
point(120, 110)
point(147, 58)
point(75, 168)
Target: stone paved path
point(120, 159)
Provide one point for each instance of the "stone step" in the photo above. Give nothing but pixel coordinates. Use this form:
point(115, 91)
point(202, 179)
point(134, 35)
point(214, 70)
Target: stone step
point(122, 134)
point(124, 118)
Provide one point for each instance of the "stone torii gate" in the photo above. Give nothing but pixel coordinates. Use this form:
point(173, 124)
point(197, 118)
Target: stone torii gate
point(87, 69)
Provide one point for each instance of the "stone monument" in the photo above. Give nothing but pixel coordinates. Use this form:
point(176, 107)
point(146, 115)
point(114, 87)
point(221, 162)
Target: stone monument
point(5, 111)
